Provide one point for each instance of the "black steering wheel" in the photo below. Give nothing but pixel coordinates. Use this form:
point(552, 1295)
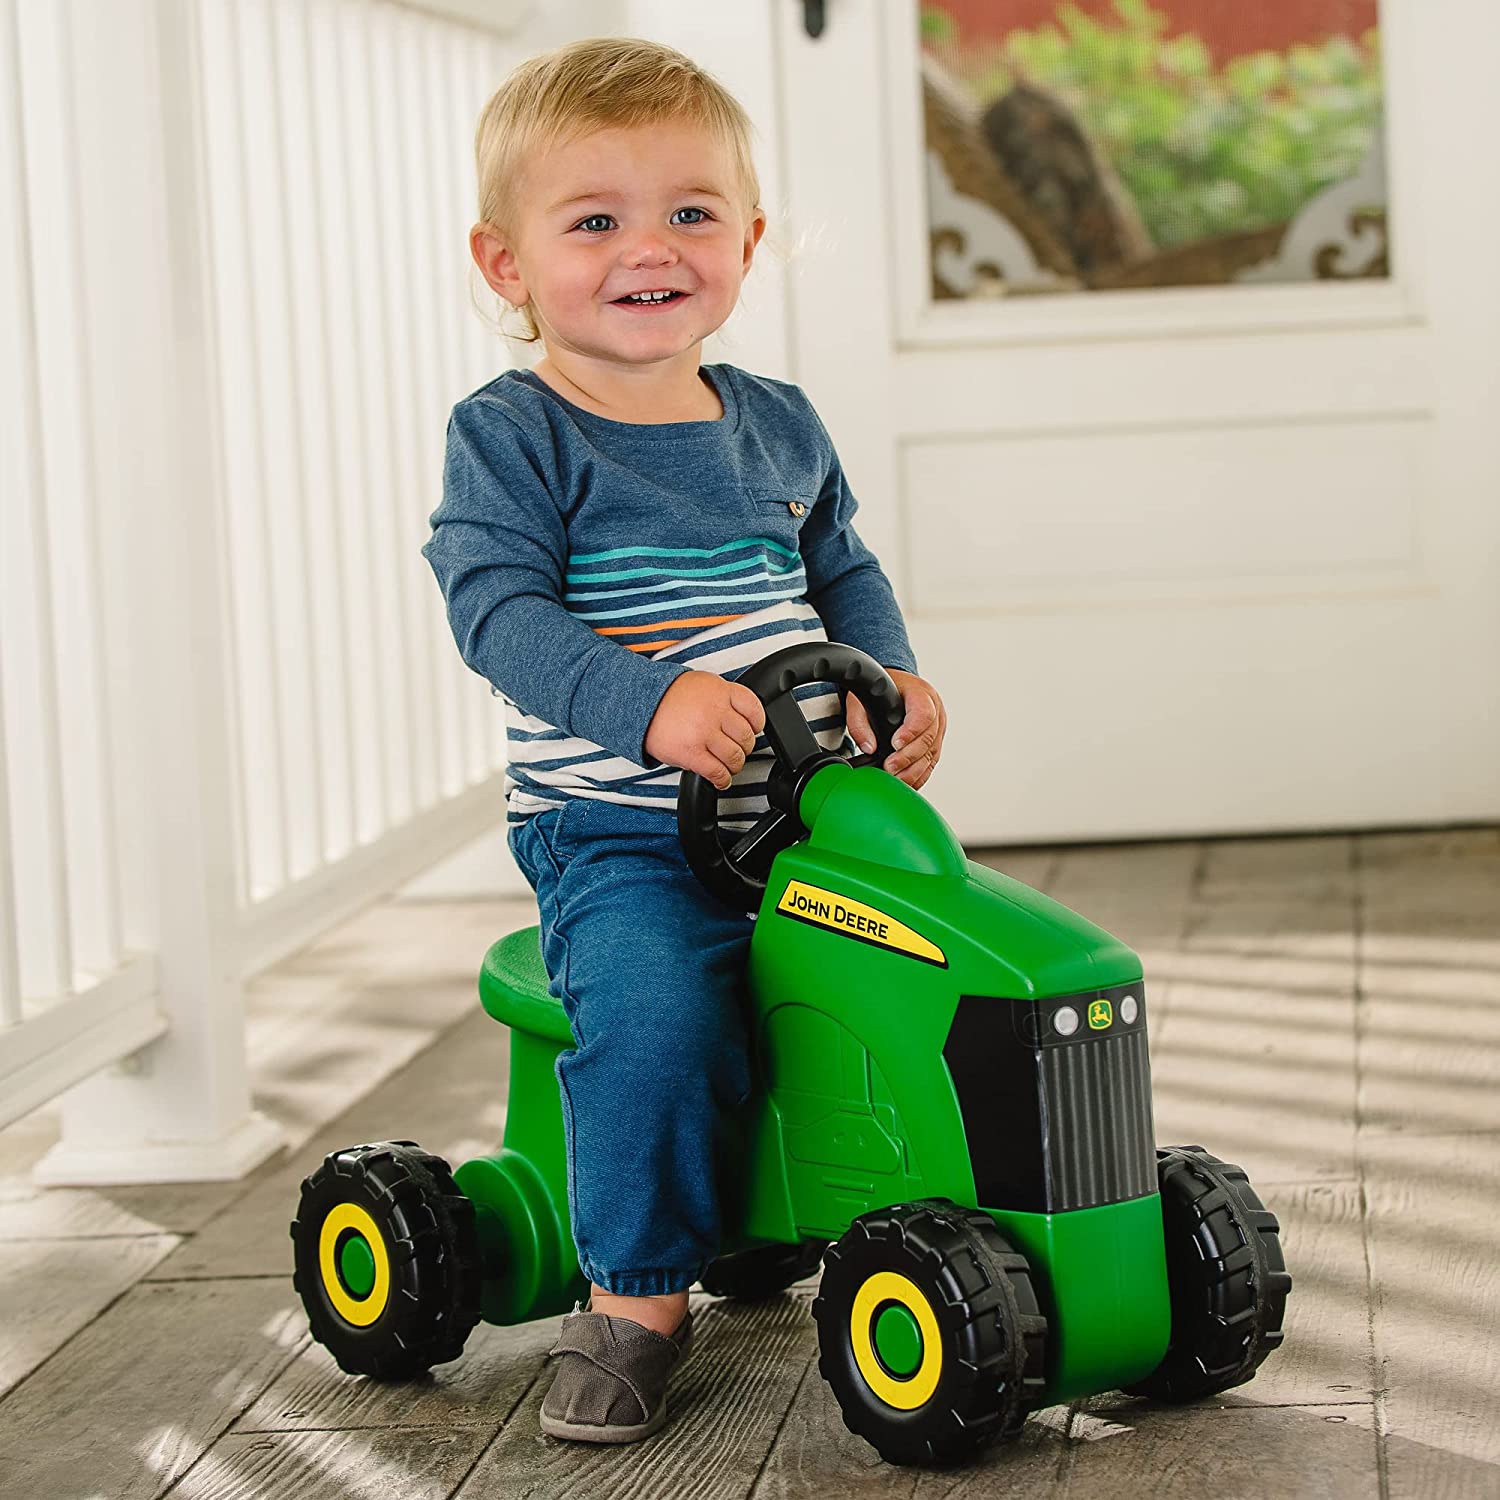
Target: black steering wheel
point(737, 873)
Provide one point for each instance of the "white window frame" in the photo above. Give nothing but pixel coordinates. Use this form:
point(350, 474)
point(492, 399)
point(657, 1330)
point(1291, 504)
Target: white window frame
point(1156, 314)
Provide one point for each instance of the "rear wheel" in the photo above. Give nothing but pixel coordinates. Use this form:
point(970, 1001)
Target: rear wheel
point(763, 1271)
point(1226, 1277)
point(386, 1259)
point(928, 1332)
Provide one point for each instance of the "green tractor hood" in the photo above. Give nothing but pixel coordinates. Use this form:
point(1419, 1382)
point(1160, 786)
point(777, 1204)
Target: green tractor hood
point(880, 842)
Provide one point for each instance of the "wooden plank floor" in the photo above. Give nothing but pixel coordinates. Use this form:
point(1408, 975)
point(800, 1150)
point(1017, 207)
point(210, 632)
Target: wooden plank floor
point(1326, 1011)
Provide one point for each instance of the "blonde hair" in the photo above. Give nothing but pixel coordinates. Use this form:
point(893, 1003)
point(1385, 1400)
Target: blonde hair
point(596, 84)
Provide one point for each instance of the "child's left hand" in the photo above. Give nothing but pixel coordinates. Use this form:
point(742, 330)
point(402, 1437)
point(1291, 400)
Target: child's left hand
point(919, 740)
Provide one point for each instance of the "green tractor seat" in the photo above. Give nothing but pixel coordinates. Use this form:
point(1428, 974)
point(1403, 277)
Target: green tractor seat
point(513, 988)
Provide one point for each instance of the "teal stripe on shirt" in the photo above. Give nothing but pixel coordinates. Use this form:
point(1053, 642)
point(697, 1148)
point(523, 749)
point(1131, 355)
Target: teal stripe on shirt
point(742, 562)
point(677, 583)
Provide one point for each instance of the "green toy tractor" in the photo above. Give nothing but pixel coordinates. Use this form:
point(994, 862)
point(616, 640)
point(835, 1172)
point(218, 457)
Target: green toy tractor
point(952, 1112)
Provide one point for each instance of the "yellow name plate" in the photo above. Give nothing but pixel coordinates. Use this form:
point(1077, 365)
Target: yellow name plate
point(809, 903)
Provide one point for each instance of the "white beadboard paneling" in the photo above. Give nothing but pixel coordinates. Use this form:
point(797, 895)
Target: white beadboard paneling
point(366, 687)
point(261, 849)
point(20, 462)
point(376, 300)
point(232, 710)
point(331, 777)
point(500, 17)
point(59, 226)
point(451, 185)
point(432, 240)
point(1080, 517)
point(281, 501)
point(35, 366)
point(338, 166)
point(388, 58)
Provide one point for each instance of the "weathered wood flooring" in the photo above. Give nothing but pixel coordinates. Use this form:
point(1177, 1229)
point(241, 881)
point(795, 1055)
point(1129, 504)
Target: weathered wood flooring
point(1326, 1011)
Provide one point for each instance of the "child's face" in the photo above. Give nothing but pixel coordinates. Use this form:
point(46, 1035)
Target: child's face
point(650, 208)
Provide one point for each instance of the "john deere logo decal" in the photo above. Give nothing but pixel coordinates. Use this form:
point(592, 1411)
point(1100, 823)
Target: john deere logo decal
point(1100, 1015)
point(865, 924)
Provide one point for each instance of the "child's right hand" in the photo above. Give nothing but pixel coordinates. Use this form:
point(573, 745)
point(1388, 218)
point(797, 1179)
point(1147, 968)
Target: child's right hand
point(705, 724)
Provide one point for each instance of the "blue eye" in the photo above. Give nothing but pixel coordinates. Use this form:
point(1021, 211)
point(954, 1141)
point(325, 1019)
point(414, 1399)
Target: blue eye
point(602, 223)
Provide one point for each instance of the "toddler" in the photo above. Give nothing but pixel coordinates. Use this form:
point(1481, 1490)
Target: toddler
point(623, 530)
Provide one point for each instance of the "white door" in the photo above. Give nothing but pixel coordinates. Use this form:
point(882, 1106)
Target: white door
point(1180, 560)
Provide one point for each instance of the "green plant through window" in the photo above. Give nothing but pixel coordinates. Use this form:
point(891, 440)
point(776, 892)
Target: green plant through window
point(1203, 150)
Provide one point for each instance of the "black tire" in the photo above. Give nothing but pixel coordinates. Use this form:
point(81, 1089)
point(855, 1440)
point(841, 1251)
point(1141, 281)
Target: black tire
point(427, 1303)
point(989, 1333)
point(764, 1271)
point(1226, 1277)
point(1032, 1324)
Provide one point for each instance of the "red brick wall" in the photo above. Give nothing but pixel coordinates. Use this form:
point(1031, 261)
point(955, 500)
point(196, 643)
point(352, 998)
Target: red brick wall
point(1228, 27)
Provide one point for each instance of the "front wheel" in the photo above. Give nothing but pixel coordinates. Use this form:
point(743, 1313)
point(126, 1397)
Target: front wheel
point(1226, 1277)
point(929, 1332)
point(386, 1259)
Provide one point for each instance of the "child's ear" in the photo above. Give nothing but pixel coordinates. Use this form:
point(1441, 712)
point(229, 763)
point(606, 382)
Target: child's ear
point(753, 231)
point(497, 264)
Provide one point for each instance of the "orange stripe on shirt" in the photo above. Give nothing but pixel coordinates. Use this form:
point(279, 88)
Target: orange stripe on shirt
point(654, 645)
point(663, 625)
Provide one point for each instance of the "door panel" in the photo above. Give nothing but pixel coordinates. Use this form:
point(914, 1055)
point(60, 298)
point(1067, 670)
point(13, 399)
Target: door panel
point(1180, 560)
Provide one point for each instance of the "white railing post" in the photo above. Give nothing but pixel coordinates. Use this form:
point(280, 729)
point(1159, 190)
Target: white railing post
point(180, 1109)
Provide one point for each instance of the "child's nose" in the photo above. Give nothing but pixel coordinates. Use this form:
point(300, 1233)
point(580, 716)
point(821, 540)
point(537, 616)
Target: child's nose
point(649, 249)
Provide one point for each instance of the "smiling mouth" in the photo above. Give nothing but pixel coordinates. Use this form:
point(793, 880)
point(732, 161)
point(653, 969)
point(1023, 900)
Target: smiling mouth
point(666, 301)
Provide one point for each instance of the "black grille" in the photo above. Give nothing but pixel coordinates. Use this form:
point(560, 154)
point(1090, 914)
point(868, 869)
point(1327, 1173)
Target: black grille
point(1054, 1122)
point(1098, 1140)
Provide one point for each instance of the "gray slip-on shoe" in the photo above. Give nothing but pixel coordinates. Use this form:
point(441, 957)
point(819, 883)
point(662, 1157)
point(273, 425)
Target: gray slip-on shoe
point(611, 1382)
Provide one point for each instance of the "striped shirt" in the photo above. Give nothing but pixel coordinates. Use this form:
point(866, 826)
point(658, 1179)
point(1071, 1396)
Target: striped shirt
point(587, 563)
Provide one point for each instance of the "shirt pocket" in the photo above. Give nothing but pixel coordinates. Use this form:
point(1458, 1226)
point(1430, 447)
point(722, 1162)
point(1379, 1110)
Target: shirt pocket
point(780, 515)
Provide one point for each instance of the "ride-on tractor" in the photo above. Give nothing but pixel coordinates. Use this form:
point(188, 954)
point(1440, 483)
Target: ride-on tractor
point(952, 1112)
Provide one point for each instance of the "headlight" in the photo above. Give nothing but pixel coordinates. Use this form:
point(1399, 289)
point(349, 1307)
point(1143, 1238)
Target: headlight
point(1129, 1010)
point(1065, 1020)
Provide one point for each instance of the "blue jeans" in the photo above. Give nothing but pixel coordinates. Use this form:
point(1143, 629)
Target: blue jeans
point(650, 969)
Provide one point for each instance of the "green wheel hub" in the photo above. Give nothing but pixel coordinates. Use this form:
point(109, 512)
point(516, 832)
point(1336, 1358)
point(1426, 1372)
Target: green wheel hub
point(357, 1265)
point(898, 1340)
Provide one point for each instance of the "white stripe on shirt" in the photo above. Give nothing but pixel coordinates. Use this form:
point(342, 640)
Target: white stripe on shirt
point(612, 778)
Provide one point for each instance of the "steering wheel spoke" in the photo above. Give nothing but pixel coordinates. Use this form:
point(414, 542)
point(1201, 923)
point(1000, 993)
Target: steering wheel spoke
point(789, 732)
point(754, 850)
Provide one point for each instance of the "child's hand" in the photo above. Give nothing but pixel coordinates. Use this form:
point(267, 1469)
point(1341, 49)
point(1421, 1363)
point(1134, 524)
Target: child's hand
point(919, 740)
point(707, 725)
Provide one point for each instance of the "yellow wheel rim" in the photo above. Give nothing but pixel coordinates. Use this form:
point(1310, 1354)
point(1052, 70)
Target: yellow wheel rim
point(361, 1311)
point(904, 1394)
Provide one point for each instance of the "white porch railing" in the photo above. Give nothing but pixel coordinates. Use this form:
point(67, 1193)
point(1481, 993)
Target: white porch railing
point(234, 270)
point(337, 140)
point(72, 996)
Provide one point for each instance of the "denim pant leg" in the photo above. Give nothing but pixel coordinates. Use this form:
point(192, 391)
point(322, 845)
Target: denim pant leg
point(650, 969)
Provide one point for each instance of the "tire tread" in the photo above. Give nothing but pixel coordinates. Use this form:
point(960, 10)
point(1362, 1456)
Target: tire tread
point(433, 1248)
point(1229, 1295)
point(994, 1333)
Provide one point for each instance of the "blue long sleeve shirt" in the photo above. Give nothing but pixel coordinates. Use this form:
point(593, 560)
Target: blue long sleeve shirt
point(586, 563)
